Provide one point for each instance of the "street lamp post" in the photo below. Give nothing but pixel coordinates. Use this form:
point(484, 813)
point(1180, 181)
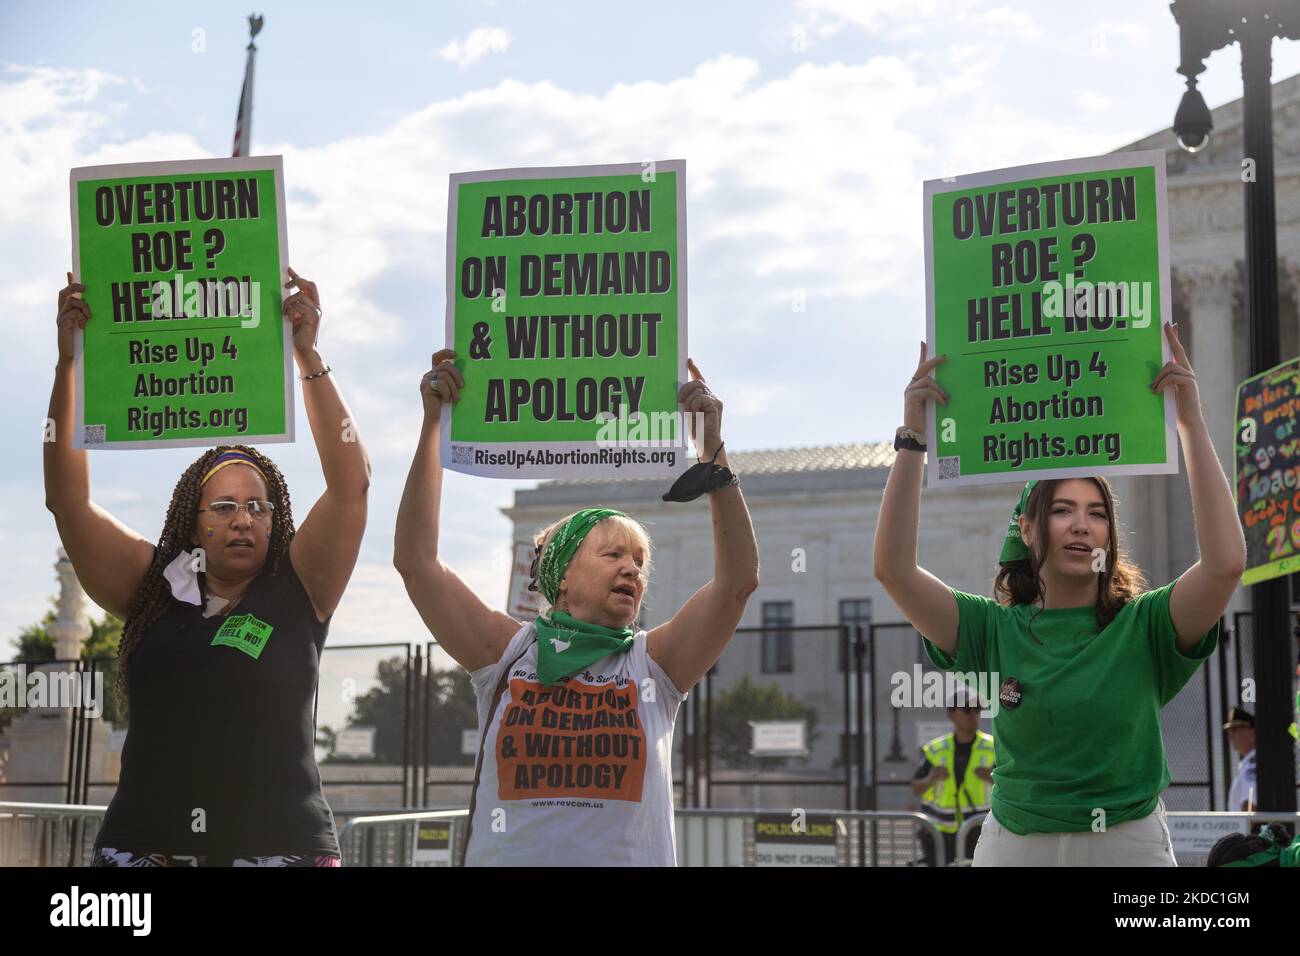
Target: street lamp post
point(1206, 26)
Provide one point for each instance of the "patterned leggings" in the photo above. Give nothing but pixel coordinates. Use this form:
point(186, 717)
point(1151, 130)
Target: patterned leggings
point(111, 856)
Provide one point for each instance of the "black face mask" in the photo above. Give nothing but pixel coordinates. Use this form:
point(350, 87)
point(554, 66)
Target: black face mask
point(699, 479)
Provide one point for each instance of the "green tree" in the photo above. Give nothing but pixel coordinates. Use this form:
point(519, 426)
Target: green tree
point(452, 707)
point(733, 709)
point(327, 737)
point(383, 707)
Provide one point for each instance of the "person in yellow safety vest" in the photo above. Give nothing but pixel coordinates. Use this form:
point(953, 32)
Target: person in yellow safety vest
point(955, 778)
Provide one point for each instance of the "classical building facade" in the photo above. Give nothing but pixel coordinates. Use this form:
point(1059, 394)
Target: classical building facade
point(815, 509)
point(1206, 223)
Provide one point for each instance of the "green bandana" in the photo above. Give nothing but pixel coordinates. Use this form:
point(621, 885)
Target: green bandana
point(1013, 548)
point(564, 545)
point(1279, 852)
point(566, 645)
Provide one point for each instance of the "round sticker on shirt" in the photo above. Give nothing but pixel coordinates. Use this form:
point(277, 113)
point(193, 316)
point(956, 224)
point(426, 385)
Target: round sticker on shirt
point(1010, 693)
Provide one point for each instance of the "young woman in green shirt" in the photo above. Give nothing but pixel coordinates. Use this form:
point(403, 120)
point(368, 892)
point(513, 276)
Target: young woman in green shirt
point(1083, 656)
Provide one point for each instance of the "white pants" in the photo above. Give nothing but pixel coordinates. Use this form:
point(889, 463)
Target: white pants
point(1143, 842)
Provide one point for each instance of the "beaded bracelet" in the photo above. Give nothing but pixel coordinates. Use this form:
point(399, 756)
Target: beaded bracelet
point(324, 371)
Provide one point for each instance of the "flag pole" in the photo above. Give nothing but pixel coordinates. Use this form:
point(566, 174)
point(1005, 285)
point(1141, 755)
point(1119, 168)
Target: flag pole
point(244, 118)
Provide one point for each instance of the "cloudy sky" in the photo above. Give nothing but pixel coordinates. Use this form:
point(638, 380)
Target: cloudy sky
point(807, 126)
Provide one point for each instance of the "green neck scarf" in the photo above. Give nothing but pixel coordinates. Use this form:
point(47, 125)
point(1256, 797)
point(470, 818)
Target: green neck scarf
point(1279, 852)
point(565, 645)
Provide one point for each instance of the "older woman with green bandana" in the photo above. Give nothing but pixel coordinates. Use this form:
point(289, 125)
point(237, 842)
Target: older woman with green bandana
point(1082, 656)
point(576, 709)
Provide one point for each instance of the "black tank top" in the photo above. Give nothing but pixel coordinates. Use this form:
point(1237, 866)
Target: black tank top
point(219, 756)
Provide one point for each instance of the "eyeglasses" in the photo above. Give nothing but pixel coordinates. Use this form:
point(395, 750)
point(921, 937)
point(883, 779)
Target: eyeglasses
point(966, 710)
point(226, 510)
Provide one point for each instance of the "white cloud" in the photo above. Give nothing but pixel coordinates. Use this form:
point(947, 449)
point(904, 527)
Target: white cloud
point(806, 178)
point(1092, 102)
point(480, 42)
point(922, 23)
point(1111, 39)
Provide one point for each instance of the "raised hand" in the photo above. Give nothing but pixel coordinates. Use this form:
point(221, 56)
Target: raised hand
point(698, 401)
point(303, 311)
point(442, 383)
point(921, 389)
point(1178, 374)
point(73, 314)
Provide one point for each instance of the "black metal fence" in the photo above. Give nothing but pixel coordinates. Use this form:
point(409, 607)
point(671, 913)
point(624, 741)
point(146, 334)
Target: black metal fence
point(397, 725)
point(1234, 670)
point(66, 745)
point(782, 673)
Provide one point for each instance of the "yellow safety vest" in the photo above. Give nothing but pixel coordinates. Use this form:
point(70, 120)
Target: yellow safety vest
point(957, 799)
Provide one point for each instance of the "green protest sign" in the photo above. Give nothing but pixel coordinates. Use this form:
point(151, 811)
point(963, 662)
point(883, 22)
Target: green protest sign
point(1047, 287)
point(184, 265)
point(566, 305)
point(1268, 471)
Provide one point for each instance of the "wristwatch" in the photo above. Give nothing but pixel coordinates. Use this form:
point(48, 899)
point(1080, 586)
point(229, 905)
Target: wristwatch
point(906, 438)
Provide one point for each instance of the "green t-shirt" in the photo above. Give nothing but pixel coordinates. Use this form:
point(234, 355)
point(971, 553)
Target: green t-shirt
point(1086, 734)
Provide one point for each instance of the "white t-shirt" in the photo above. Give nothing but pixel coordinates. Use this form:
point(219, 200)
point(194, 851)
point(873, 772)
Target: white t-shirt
point(578, 774)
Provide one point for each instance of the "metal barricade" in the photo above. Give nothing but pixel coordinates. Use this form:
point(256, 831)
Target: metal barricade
point(390, 839)
point(705, 837)
point(1191, 844)
point(870, 838)
point(713, 837)
point(48, 834)
point(44, 834)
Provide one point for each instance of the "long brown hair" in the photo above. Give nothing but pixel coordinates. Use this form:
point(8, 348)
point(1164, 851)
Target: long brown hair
point(155, 595)
point(1020, 582)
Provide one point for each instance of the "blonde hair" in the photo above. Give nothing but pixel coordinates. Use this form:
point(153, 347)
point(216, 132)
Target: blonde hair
point(627, 531)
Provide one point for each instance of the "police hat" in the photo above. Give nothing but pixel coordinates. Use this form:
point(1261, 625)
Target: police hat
point(1239, 717)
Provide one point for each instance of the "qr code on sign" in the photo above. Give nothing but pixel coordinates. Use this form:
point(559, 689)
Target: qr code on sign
point(95, 434)
point(462, 455)
point(949, 467)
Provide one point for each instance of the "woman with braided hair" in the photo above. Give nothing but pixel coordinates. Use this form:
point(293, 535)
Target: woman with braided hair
point(225, 620)
point(576, 709)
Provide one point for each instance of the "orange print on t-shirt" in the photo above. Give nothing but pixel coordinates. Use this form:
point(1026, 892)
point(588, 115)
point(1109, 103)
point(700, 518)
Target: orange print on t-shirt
point(571, 740)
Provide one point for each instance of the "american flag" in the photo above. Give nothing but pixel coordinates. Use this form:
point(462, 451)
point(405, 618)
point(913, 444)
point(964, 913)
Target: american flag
point(244, 119)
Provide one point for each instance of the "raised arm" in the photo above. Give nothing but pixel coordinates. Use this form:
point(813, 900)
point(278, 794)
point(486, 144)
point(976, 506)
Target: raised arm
point(473, 633)
point(924, 600)
point(325, 549)
point(1204, 590)
point(110, 559)
point(691, 642)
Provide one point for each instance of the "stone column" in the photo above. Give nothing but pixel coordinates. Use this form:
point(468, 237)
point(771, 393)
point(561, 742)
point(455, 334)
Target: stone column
point(39, 737)
point(1289, 282)
point(1210, 291)
point(70, 629)
point(1212, 295)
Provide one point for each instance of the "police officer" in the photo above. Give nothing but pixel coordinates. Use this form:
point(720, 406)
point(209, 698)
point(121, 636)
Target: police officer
point(955, 777)
point(1240, 728)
